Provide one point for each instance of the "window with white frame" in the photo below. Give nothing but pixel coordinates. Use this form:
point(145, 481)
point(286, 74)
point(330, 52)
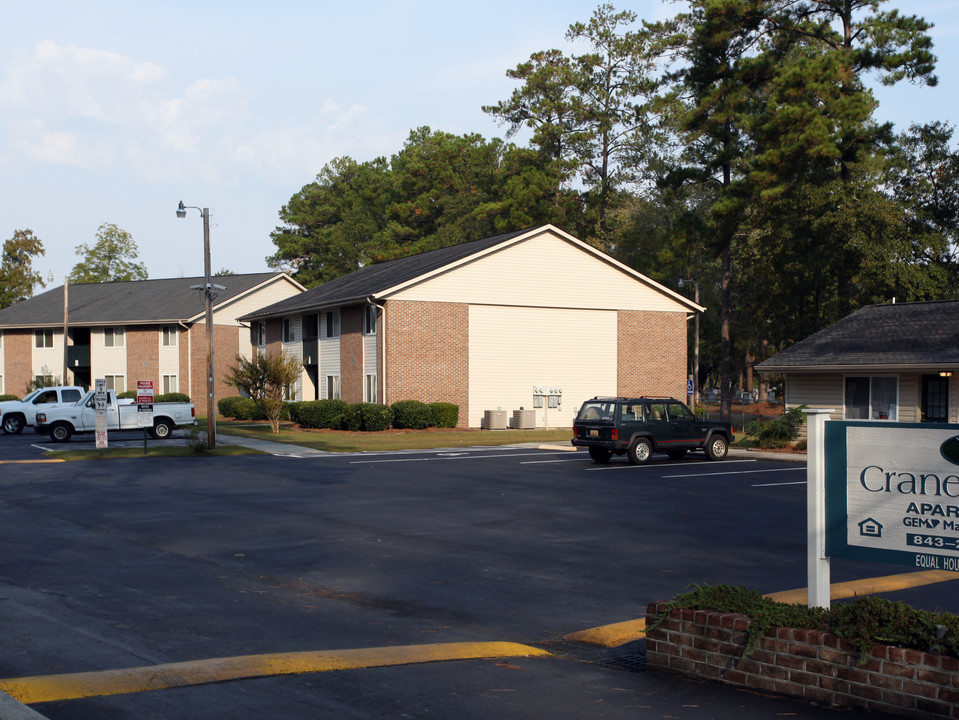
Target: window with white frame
point(168, 336)
point(370, 390)
point(369, 325)
point(170, 384)
point(43, 381)
point(333, 323)
point(289, 330)
point(113, 337)
point(261, 334)
point(43, 338)
point(1, 339)
point(117, 383)
point(333, 387)
point(871, 398)
point(289, 392)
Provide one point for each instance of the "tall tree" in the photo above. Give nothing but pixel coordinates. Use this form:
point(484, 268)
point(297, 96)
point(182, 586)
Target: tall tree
point(18, 279)
point(112, 257)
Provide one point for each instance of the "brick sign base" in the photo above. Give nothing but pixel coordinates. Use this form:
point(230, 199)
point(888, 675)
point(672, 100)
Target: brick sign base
point(808, 664)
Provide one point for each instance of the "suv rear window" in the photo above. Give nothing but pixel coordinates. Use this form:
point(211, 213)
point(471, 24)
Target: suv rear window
point(72, 396)
point(597, 410)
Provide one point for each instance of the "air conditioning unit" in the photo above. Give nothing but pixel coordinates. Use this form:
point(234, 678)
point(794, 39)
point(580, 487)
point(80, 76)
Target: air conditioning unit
point(494, 420)
point(524, 419)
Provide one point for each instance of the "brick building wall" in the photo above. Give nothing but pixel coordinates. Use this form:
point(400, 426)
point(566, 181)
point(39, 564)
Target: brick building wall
point(651, 354)
point(17, 361)
point(143, 358)
point(226, 347)
point(808, 664)
point(351, 353)
point(427, 353)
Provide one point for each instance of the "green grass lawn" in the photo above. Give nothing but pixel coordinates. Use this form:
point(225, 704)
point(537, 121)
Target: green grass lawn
point(342, 441)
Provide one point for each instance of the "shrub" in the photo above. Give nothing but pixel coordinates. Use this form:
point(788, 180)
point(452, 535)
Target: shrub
point(294, 411)
point(353, 418)
point(320, 413)
point(376, 418)
point(337, 422)
point(865, 621)
point(172, 397)
point(777, 433)
point(247, 409)
point(227, 406)
point(8, 397)
point(127, 395)
point(445, 415)
point(411, 415)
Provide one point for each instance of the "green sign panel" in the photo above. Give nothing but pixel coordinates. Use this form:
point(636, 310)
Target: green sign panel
point(892, 493)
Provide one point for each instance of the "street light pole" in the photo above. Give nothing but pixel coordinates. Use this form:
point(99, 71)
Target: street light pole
point(695, 341)
point(208, 298)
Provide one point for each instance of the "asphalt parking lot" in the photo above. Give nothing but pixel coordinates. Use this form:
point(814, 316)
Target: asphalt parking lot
point(114, 564)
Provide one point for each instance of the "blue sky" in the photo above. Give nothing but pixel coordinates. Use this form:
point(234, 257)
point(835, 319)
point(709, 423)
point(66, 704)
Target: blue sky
point(114, 111)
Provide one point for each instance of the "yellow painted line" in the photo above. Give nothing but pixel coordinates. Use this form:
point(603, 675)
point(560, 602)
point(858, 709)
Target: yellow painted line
point(621, 633)
point(612, 635)
point(27, 462)
point(869, 586)
point(51, 688)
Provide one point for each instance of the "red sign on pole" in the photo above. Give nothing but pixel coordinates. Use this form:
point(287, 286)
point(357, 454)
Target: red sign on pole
point(145, 403)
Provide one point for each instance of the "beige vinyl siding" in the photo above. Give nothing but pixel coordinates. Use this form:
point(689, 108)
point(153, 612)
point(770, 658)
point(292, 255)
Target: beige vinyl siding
point(514, 348)
point(106, 360)
point(276, 291)
point(544, 271)
point(816, 391)
point(909, 388)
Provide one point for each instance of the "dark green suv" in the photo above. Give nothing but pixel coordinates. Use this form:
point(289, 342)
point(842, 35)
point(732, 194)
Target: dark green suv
point(638, 427)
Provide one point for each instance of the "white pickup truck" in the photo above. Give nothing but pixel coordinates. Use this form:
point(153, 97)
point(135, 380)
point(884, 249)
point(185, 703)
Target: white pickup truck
point(17, 414)
point(61, 423)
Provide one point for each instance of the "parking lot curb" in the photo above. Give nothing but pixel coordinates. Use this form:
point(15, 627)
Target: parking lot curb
point(51, 688)
point(612, 635)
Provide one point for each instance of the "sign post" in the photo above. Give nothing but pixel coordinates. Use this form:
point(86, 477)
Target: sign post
point(817, 562)
point(100, 407)
point(145, 408)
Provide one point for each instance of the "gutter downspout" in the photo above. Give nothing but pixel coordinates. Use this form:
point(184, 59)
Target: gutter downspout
point(382, 333)
point(189, 358)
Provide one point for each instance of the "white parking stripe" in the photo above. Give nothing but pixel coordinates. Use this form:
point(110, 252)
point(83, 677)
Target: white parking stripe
point(737, 472)
point(630, 466)
point(441, 456)
point(798, 482)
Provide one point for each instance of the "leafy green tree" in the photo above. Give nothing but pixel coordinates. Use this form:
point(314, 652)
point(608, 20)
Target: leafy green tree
point(112, 257)
point(18, 279)
point(438, 190)
point(265, 378)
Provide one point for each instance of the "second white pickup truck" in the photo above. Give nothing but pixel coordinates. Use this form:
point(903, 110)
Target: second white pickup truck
point(61, 423)
point(17, 414)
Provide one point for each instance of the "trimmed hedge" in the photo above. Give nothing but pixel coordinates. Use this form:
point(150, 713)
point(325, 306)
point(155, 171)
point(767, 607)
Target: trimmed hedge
point(8, 397)
point(411, 415)
point(445, 415)
point(368, 417)
point(172, 397)
point(320, 413)
point(127, 395)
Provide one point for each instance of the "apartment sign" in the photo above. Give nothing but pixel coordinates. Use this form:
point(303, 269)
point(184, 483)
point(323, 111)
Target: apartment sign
point(892, 493)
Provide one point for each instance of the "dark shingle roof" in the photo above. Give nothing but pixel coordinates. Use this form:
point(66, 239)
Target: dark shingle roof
point(115, 303)
point(903, 334)
point(374, 279)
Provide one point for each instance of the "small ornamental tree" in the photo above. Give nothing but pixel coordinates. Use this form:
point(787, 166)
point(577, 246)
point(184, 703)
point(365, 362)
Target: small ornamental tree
point(265, 379)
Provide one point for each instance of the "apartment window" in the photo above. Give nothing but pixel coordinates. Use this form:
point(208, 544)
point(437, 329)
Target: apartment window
point(43, 338)
point(113, 337)
point(1, 339)
point(117, 383)
point(370, 392)
point(332, 387)
point(289, 330)
point(871, 398)
point(168, 336)
point(370, 320)
point(333, 324)
point(289, 392)
point(170, 384)
point(261, 334)
point(43, 381)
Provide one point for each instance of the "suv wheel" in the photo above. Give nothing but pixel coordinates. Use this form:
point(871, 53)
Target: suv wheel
point(600, 455)
point(716, 447)
point(640, 450)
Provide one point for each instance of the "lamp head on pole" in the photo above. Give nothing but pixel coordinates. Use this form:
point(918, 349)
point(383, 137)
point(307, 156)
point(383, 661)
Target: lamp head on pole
point(181, 210)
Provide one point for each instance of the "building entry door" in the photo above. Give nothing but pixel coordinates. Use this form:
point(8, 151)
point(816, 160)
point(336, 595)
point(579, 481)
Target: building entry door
point(935, 399)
